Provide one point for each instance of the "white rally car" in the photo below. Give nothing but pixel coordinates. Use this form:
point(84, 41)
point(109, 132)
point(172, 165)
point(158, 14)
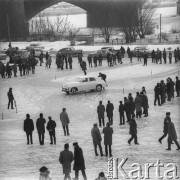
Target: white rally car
point(83, 84)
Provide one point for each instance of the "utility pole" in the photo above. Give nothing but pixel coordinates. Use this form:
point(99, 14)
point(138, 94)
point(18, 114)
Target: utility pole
point(7, 19)
point(8, 27)
point(160, 30)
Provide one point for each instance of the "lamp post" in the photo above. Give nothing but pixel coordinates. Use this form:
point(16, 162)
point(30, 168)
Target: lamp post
point(160, 30)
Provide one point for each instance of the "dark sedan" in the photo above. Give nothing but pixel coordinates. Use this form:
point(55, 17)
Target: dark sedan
point(70, 51)
point(141, 50)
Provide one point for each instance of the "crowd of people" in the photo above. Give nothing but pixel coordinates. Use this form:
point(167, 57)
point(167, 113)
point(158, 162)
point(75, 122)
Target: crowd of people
point(166, 90)
point(63, 61)
point(131, 108)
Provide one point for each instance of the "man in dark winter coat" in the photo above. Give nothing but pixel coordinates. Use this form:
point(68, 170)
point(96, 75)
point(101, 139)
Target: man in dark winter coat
point(10, 98)
point(80, 58)
point(79, 164)
point(164, 56)
point(121, 113)
point(70, 61)
point(157, 92)
point(2, 69)
point(109, 111)
point(83, 66)
point(40, 125)
point(28, 128)
point(172, 136)
point(64, 118)
point(108, 131)
point(66, 61)
point(138, 104)
point(100, 58)
point(163, 92)
point(172, 87)
point(20, 68)
point(100, 111)
point(96, 136)
point(145, 103)
point(127, 108)
point(103, 77)
point(122, 51)
point(130, 56)
point(169, 89)
point(51, 125)
point(177, 86)
point(131, 106)
point(165, 131)
point(89, 58)
point(153, 56)
point(66, 158)
point(95, 60)
point(133, 131)
point(128, 51)
point(145, 56)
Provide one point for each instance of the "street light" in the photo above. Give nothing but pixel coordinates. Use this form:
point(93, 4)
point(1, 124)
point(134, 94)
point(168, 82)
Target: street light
point(160, 30)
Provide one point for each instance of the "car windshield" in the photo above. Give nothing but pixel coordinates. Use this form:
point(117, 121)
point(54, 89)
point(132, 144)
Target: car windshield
point(81, 79)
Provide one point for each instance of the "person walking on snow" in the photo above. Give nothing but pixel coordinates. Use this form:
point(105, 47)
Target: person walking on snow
point(65, 121)
point(172, 136)
point(10, 98)
point(108, 131)
point(66, 157)
point(100, 111)
point(40, 125)
point(79, 164)
point(133, 132)
point(109, 111)
point(96, 136)
point(29, 128)
point(83, 66)
point(51, 125)
point(165, 131)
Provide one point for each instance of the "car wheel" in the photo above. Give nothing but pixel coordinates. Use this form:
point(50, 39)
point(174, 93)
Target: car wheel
point(73, 90)
point(99, 88)
point(67, 92)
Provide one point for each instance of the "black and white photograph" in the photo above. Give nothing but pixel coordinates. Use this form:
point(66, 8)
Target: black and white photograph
point(89, 89)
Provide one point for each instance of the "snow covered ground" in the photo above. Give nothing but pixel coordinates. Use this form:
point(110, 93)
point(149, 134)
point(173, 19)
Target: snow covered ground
point(41, 92)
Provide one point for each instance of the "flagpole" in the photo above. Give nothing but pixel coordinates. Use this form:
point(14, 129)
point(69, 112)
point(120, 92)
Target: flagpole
point(8, 27)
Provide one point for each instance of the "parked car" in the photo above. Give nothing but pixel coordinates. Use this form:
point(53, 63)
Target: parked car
point(3, 56)
point(104, 51)
point(33, 46)
point(141, 50)
point(70, 51)
point(38, 52)
point(107, 48)
point(84, 83)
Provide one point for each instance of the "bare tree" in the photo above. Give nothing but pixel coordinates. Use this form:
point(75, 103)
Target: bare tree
point(59, 27)
point(128, 21)
point(104, 21)
point(145, 11)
